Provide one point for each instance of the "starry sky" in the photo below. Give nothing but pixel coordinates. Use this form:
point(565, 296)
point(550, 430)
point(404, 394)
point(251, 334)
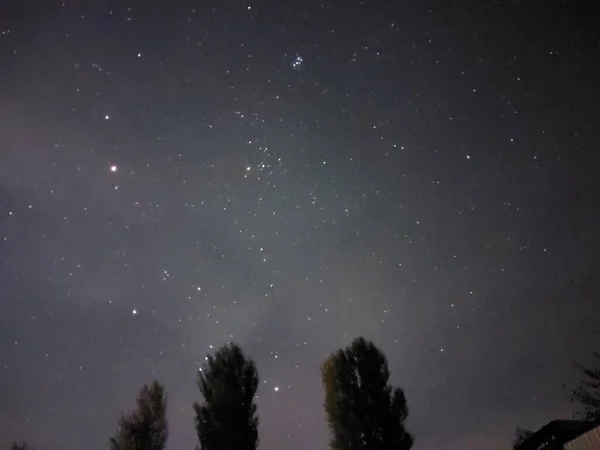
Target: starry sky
point(290, 175)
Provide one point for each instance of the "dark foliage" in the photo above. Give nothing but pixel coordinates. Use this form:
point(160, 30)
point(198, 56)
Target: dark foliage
point(521, 435)
point(19, 446)
point(363, 410)
point(587, 391)
point(226, 419)
point(146, 427)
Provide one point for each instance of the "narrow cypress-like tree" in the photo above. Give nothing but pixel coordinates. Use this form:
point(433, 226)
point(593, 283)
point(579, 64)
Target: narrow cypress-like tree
point(363, 410)
point(145, 428)
point(226, 418)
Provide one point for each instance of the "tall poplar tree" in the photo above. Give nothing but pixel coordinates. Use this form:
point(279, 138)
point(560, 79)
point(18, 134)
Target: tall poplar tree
point(363, 410)
point(145, 428)
point(226, 419)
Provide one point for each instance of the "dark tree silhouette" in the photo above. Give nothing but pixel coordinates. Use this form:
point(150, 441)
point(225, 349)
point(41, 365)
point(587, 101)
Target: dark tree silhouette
point(521, 435)
point(587, 391)
point(226, 418)
point(146, 427)
point(363, 410)
point(19, 446)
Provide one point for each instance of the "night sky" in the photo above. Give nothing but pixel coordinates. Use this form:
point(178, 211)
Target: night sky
point(291, 175)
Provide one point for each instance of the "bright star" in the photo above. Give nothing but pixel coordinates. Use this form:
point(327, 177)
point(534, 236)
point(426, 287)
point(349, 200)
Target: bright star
point(113, 168)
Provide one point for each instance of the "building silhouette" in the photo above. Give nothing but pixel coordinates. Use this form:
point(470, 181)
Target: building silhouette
point(564, 435)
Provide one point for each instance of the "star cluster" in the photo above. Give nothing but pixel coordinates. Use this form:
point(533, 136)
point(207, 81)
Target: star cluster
point(291, 176)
